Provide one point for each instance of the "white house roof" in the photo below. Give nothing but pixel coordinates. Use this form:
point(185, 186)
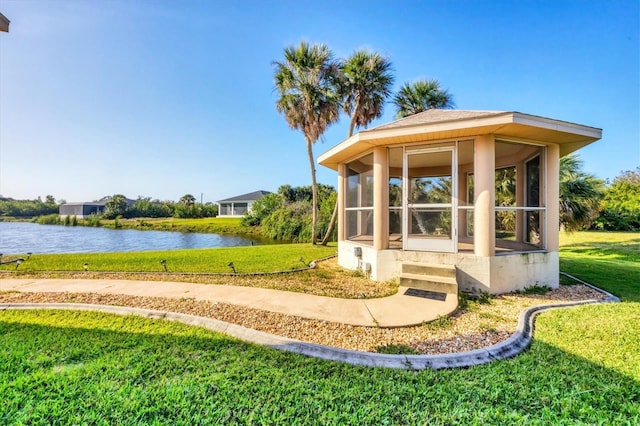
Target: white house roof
point(438, 124)
point(251, 196)
point(87, 203)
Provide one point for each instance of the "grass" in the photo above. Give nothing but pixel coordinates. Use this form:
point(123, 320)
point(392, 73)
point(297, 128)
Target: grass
point(610, 260)
point(245, 259)
point(60, 367)
point(206, 225)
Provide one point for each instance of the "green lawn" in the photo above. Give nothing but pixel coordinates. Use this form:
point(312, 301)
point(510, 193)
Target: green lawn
point(610, 260)
point(207, 225)
point(72, 368)
point(246, 259)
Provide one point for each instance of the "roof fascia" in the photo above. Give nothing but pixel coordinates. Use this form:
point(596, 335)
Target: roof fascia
point(560, 126)
point(462, 123)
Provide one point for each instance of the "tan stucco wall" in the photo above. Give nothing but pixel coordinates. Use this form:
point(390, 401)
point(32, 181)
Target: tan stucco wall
point(495, 274)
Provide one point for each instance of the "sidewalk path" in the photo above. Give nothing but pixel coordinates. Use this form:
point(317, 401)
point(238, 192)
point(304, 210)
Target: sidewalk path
point(394, 311)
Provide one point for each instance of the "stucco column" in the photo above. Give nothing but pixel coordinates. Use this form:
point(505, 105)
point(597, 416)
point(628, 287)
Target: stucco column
point(342, 193)
point(462, 200)
point(552, 200)
point(520, 201)
point(380, 199)
point(484, 226)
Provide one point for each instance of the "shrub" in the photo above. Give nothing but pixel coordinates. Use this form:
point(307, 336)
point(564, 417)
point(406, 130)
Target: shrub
point(621, 204)
point(116, 206)
point(289, 223)
point(93, 220)
point(286, 215)
point(49, 219)
point(262, 208)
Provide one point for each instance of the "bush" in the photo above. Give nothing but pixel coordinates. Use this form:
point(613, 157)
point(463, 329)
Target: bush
point(289, 223)
point(621, 204)
point(50, 219)
point(262, 208)
point(116, 206)
point(209, 210)
point(612, 220)
point(145, 207)
point(93, 220)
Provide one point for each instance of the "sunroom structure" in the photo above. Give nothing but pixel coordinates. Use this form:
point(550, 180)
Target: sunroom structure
point(473, 192)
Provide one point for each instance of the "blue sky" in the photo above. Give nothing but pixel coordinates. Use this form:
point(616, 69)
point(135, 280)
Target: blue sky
point(164, 98)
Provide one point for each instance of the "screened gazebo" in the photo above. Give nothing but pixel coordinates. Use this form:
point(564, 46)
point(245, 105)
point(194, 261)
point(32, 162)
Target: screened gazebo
point(464, 199)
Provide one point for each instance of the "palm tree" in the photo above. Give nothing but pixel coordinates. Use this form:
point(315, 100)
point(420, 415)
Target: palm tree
point(420, 96)
point(580, 194)
point(365, 86)
point(307, 82)
point(188, 200)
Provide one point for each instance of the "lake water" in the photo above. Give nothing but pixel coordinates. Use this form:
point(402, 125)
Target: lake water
point(22, 237)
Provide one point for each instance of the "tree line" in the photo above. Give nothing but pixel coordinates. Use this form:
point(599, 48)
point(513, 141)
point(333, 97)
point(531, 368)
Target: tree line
point(10, 207)
point(116, 206)
point(186, 207)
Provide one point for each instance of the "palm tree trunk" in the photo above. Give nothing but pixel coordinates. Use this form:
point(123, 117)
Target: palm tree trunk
point(352, 125)
point(314, 193)
point(334, 215)
point(332, 225)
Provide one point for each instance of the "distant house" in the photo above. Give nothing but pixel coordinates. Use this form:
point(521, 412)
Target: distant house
point(4, 23)
point(238, 206)
point(82, 210)
point(86, 209)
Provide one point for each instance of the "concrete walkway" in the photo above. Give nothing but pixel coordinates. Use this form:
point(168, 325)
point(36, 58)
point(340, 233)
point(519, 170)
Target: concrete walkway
point(515, 344)
point(397, 310)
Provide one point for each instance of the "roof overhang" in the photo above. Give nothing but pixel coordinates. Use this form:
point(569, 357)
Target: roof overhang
point(4, 23)
point(506, 125)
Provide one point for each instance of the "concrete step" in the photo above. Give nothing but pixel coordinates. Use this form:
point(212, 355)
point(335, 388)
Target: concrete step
point(437, 270)
point(430, 283)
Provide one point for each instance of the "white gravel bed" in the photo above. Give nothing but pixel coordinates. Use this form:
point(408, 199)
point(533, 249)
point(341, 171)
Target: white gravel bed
point(475, 326)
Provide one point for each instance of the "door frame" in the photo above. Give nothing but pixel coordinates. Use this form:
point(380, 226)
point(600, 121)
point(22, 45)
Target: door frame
point(425, 243)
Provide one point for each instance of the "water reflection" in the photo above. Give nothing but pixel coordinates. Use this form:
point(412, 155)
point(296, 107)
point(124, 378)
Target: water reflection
point(21, 237)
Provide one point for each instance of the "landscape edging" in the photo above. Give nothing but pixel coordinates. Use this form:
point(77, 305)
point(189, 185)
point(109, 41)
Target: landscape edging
point(514, 345)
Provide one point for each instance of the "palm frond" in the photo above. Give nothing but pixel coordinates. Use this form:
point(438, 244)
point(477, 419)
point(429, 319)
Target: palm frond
point(421, 95)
